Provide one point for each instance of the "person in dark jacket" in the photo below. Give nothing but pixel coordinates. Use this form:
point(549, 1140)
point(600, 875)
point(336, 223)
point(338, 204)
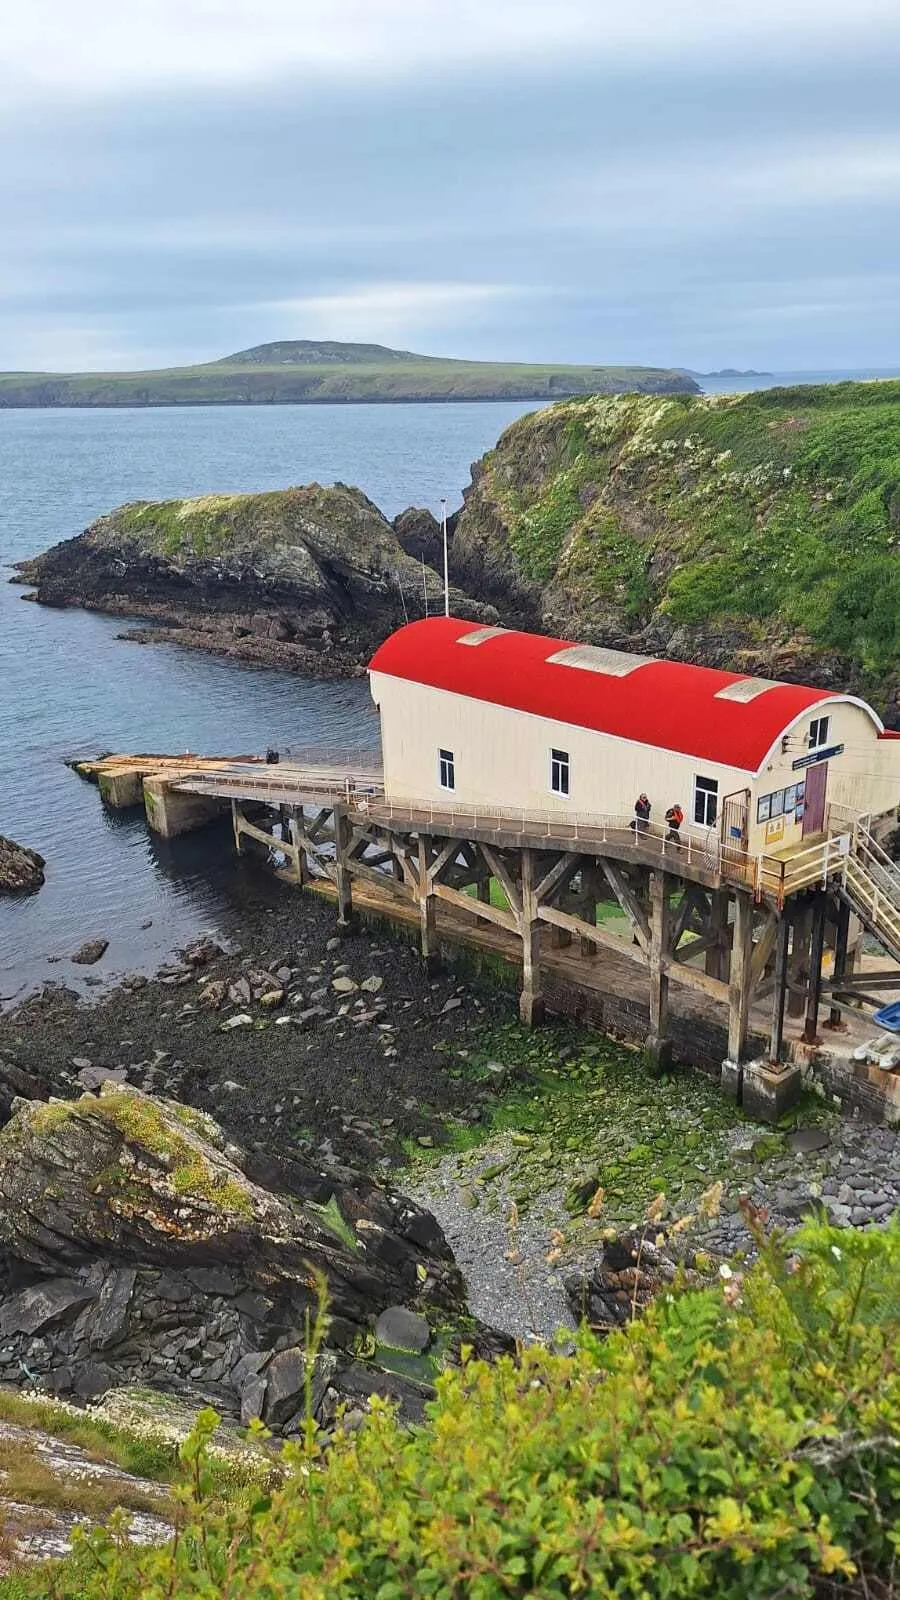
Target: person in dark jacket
point(641, 814)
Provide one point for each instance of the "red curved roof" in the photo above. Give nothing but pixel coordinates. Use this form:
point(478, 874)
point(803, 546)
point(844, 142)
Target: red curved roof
point(668, 704)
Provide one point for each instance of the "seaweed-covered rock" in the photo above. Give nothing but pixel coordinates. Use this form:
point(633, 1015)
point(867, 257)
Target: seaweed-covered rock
point(21, 869)
point(308, 577)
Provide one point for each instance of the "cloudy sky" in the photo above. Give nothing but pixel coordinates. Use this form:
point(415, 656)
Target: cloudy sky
point(700, 183)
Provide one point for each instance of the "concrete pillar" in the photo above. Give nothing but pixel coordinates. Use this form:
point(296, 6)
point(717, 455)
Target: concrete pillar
point(427, 928)
point(659, 1045)
point(170, 812)
point(121, 791)
point(342, 834)
point(531, 1000)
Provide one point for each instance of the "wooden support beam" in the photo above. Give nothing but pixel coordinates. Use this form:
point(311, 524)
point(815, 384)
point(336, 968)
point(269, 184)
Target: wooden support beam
point(427, 928)
point(816, 948)
point(717, 955)
point(500, 871)
point(739, 978)
point(343, 830)
point(561, 872)
point(595, 935)
point(692, 900)
point(445, 856)
point(629, 902)
point(776, 1038)
point(531, 1000)
point(763, 948)
point(659, 1045)
point(481, 909)
point(841, 942)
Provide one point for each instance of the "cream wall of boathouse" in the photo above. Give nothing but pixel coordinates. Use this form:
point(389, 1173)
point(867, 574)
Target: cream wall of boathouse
point(863, 777)
point(502, 758)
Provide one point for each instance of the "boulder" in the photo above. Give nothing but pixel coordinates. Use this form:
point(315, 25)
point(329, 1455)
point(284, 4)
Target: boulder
point(402, 1329)
point(136, 1180)
point(39, 1307)
point(419, 534)
point(21, 870)
point(90, 951)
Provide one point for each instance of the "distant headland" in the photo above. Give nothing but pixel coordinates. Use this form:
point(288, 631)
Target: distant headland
point(311, 371)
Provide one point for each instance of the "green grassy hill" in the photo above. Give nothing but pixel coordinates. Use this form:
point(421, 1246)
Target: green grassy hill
point(761, 530)
point(309, 371)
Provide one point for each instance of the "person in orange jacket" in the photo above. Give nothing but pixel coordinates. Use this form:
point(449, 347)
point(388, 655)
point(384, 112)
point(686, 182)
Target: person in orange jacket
point(674, 819)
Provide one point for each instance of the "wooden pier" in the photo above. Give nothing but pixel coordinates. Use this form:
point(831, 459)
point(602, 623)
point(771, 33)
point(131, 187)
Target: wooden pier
point(729, 934)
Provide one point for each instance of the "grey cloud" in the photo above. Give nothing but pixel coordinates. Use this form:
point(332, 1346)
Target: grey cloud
point(635, 214)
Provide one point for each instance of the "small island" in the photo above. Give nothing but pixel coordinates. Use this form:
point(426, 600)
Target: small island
point(320, 371)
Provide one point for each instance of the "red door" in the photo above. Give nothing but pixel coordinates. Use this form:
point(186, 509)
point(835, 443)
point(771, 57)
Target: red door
point(814, 804)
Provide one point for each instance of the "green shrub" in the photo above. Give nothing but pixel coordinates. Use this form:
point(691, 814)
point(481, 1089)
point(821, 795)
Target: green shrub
point(738, 1442)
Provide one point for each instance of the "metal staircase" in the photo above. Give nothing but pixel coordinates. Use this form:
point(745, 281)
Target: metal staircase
point(871, 885)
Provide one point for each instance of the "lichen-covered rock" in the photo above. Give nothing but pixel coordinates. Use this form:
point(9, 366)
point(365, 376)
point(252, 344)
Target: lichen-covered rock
point(133, 1179)
point(753, 532)
point(295, 577)
point(21, 869)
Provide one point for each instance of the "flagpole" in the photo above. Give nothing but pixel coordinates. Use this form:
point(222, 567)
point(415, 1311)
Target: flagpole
point(446, 566)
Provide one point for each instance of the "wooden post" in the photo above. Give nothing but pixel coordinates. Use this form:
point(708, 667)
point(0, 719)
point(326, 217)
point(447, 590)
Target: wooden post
point(717, 956)
point(236, 815)
point(781, 970)
point(589, 908)
point(798, 965)
point(427, 928)
point(342, 834)
point(739, 977)
point(659, 1045)
point(841, 944)
point(816, 947)
point(531, 1000)
point(483, 891)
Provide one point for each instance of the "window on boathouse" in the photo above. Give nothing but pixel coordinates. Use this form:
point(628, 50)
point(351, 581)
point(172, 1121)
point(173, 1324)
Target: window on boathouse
point(559, 772)
point(706, 801)
point(446, 769)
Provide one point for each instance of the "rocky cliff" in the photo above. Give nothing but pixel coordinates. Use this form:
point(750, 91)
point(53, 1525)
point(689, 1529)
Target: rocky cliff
point(755, 531)
point(312, 578)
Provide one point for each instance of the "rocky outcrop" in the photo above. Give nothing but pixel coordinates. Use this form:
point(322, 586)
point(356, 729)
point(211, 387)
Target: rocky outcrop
point(753, 532)
point(308, 578)
point(21, 870)
point(140, 1245)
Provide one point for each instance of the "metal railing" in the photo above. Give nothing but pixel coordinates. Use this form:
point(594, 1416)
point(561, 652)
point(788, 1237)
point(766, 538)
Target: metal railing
point(569, 826)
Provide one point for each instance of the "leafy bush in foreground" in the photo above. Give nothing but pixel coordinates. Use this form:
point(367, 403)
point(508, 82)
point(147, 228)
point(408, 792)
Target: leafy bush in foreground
point(742, 1444)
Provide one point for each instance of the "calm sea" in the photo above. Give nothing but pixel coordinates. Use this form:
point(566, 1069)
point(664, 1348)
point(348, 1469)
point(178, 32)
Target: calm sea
point(68, 686)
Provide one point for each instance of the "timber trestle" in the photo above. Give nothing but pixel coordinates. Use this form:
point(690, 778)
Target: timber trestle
point(581, 904)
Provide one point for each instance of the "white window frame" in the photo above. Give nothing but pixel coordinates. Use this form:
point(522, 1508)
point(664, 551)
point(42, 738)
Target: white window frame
point(819, 730)
point(560, 773)
point(446, 769)
point(705, 790)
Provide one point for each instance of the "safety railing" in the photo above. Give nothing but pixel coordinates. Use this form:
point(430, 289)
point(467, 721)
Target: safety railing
point(567, 826)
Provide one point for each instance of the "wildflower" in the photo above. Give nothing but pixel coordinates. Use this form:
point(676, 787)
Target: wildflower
point(710, 1203)
point(597, 1202)
point(725, 1271)
point(656, 1208)
point(836, 1252)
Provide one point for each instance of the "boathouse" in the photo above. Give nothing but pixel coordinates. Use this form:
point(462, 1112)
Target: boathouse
point(489, 717)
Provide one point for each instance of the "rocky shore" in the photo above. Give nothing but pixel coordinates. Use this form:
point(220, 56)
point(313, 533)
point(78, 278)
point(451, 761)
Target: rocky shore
point(340, 1065)
point(21, 869)
point(307, 580)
